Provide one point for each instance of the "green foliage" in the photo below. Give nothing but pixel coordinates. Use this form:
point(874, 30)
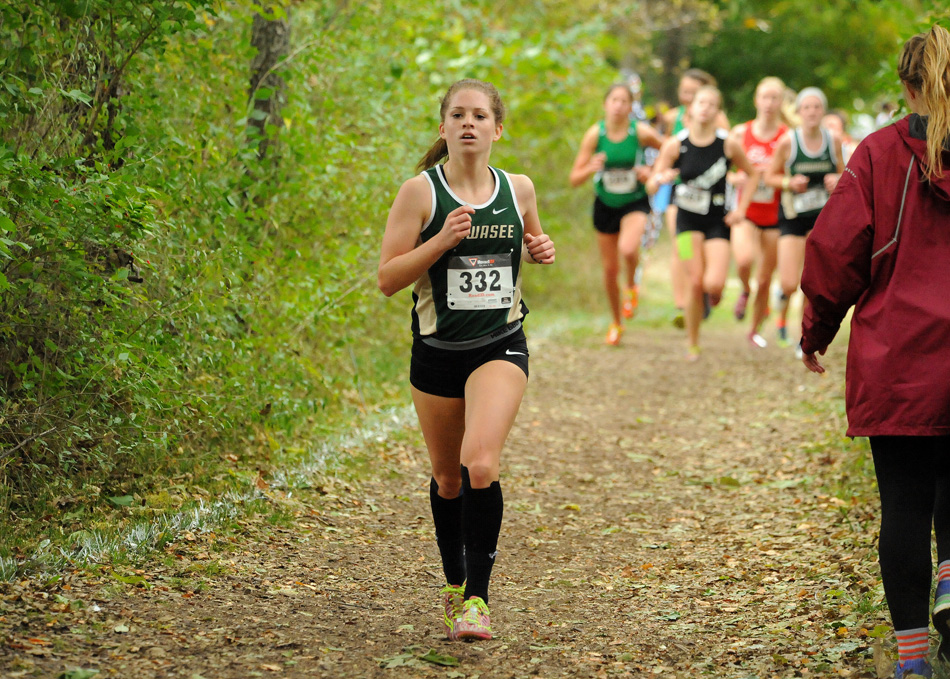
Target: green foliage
point(169, 300)
point(807, 44)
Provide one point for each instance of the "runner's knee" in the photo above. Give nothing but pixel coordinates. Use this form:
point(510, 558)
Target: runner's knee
point(482, 473)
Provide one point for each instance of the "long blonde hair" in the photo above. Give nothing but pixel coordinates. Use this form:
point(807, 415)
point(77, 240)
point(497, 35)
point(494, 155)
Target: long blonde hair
point(440, 149)
point(924, 67)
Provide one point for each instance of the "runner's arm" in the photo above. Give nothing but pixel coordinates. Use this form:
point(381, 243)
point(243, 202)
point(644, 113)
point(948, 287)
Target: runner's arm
point(401, 263)
point(663, 172)
point(587, 163)
point(775, 173)
point(538, 246)
point(737, 155)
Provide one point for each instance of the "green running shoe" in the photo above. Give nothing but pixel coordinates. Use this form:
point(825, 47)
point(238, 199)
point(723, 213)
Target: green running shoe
point(475, 621)
point(453, 596)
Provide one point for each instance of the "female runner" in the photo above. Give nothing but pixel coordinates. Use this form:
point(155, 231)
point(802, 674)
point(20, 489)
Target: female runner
point(459, 232)
point(675, 121)
point(806, 166)
point(700, 157)
point(759, 138)
point(612, 153)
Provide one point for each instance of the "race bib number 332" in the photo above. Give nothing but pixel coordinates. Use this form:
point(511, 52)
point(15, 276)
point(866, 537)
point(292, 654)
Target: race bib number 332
point(480, 282)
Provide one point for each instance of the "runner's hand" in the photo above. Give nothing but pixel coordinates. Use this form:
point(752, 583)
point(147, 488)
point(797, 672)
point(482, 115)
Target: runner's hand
point(831, 181)
point(458, 224)
point(540, 248)
point(733, 218)
point(798, 183)
point(596, 163)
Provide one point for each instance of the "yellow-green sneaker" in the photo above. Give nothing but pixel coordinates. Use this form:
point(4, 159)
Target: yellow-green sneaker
point(475, 621)
point(453, 596)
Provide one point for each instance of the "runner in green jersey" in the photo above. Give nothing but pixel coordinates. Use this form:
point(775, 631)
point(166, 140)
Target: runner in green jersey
point(460, 232)
point(612, 153)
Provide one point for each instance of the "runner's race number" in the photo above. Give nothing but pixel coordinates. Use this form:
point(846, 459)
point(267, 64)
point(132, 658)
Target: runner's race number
point(810, 200)
point(480, 282)
point(693, 200)
point(619, 180)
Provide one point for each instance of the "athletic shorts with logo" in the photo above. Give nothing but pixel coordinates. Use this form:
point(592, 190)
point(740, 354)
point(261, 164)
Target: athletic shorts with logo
point(607, 219)
point(443, 372)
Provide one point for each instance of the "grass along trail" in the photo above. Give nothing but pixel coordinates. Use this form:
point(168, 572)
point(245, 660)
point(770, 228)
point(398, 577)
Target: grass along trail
point(662, 519)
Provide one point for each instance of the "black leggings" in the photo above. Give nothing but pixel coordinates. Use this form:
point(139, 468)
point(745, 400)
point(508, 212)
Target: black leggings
point(913, 478)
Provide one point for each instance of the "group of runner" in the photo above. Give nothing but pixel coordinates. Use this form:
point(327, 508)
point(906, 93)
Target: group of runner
point(461, 230)
point(754, 189)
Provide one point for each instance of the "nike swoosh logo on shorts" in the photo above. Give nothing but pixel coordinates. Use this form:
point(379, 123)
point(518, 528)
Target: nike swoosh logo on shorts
point(496, 212)
point(509, 352)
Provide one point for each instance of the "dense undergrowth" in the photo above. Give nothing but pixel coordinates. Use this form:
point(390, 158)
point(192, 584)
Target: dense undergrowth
point(177, 312)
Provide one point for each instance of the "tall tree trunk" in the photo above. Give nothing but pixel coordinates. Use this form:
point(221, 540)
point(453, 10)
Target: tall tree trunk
point(271, 37)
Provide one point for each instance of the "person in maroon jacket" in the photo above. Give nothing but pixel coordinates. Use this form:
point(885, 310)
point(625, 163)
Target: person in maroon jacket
point(882, 244)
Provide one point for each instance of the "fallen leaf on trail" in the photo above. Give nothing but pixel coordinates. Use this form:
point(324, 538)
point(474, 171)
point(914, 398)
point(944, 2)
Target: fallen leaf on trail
point(439, 659)
point(272, 668)
point(120, 629)
point(572, 508)
point(121, 500)
point(77, 673)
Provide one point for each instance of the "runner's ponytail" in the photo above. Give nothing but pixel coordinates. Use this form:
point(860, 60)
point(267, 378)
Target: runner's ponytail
point(924, 67)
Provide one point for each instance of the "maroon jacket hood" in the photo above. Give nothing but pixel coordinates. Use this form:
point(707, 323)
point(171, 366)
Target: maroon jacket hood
point(913, 132)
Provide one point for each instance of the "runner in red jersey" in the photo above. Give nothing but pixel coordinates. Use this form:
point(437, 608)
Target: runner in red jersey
point(759, 137)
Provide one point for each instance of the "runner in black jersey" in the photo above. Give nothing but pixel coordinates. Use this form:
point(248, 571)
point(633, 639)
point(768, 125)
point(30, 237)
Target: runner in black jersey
point(700, 156)
point(673, 122)
point(611, 153)
point(806, 166)
point(460, 232)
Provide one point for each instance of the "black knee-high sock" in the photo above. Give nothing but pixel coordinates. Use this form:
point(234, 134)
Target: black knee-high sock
point(447, 516)
point(481, 523)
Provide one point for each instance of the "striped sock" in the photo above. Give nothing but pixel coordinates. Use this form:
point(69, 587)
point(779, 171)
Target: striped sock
point(912, 644)
point(942, 599)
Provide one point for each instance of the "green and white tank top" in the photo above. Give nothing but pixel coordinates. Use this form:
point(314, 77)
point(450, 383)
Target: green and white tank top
point(616, 185)
point(475, 288)
point(815, 167)
point(678, 124)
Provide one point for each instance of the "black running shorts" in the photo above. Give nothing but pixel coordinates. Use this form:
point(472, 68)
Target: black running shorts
point(710, 227)
point(444, 372)
point(607, 219)
point(800, 226)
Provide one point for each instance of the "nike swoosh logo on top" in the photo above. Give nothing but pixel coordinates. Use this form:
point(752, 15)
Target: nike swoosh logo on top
point(495, 212)
point(509, 352)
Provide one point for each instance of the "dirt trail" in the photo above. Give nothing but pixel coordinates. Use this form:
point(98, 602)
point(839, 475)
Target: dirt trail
point(662, 519)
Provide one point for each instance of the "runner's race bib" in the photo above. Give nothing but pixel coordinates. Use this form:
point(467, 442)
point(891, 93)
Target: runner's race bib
point(480, 282)
point(619, 180)
point(693, 200)
point(763, 193)
point(810, 200)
